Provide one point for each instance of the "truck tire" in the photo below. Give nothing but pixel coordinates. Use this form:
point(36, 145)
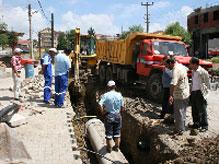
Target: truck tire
point(154, 87)
point(109, 74)
point(102, 74)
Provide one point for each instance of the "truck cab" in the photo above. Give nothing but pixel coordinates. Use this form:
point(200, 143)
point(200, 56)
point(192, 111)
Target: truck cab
point(149, 61)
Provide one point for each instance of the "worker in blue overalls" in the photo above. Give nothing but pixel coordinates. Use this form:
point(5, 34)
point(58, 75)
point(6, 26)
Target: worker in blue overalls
point(62, 66)
point(46, 62)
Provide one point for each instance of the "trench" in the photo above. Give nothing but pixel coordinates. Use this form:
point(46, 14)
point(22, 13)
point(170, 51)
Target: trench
point(141, 142)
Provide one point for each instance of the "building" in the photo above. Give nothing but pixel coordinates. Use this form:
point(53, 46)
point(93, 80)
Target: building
point(203, 24)
point(46, 38)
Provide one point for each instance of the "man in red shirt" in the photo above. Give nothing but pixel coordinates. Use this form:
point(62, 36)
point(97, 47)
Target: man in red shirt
point(16, 72)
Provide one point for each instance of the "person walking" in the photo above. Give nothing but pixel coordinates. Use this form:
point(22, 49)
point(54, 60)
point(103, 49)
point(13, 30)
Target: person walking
point(111, 105)
point(199, 91)
point(166, 79)
point(16, 72)
point(46, 62)
point(179, 93)
point(62, 66)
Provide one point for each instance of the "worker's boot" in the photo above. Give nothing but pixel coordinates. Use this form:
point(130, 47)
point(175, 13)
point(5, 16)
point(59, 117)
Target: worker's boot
point(117, 144)
point(108, 145)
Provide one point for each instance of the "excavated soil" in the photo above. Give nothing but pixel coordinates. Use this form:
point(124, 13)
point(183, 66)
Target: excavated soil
point(205, 151)
point(145, 138)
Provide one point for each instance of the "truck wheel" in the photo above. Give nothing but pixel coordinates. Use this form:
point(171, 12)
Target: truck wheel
point(109, 74)
point(102, 74)
point(154, 87)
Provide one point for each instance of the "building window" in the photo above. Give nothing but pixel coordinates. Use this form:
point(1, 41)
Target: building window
point(196, 19)
point(216, 15)
point(205, 17)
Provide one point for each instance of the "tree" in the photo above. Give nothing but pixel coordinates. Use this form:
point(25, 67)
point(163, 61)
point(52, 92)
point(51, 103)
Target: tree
point(3, 40)
point(3, 26)
point(133, 28)
point(70, 38)
point(12, 39)
point(136, 28)
point(91, 31)
point(176, 29)
point(62, 42)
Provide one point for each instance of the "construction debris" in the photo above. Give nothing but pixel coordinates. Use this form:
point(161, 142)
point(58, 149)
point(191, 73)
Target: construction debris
point(17, 120)
point(11, 149)
point(205, 151)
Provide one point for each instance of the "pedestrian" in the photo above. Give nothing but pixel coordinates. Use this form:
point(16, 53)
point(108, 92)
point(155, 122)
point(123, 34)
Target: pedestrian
point(111, 105)
point(62, 66)
point(16, 72)
point(166, 79)
point(46, 62)
point(179, 93)
point(199, 91)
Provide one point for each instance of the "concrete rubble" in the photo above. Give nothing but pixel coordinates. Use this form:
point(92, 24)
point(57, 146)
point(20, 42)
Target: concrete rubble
point(17, 120)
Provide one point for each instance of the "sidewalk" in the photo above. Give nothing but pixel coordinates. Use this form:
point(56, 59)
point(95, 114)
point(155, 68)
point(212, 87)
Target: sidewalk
point(48, 137)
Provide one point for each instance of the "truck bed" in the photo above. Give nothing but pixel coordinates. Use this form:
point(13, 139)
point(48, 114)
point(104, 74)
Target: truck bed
point(120, 51)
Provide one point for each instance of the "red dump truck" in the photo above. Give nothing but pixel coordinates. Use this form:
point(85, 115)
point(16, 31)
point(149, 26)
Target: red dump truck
point(138, 59)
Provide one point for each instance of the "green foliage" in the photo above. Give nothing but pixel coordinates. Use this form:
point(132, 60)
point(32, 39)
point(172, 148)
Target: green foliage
point(70, 39)
point(62, 42)
point(3, 26)
point(133, 28)
point(91, 31)
point(9, 38)
point(215, 60)
point(176, 30)
point(136, 28)
point(214, 71)
point(12, 39)
point(3, 40)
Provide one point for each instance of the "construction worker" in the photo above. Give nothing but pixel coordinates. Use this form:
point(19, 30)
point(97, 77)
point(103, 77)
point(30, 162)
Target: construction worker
point(179, 93)
point(46, 62)
point(199, 92)
point(16, 71)
point(62, 66)
point(166, 79)
point(111, 105)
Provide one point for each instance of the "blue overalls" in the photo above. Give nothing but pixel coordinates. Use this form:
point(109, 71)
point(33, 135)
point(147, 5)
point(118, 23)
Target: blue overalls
point(62, 65)
point(46, 61)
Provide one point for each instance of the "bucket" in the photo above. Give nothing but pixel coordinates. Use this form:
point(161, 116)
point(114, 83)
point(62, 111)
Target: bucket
point(29, 70)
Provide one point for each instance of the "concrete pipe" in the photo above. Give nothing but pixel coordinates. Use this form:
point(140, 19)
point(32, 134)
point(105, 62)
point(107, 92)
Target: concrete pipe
point(96, 135)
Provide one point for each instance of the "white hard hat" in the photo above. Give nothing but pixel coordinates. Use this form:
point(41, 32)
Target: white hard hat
point(53, 50)
point(18, 50)
point(111, 83)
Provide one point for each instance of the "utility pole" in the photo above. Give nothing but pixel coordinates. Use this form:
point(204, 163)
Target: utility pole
point(146, 18)
point(52, 30)
point(30, 31)
point(39, 43)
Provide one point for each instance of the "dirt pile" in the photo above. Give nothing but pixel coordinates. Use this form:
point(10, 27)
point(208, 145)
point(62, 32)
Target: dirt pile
point(205, 151)
point(2, 64)
point(5, 62)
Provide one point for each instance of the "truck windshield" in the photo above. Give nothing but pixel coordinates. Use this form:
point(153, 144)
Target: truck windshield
point(169, 48)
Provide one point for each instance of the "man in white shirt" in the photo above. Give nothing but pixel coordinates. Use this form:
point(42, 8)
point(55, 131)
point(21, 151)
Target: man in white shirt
point(179, 93)
point(199, 92)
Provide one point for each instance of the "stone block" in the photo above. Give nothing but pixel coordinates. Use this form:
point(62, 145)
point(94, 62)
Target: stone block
point(17, 120)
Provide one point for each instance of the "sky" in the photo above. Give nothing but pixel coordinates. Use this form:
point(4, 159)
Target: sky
point(105, 16)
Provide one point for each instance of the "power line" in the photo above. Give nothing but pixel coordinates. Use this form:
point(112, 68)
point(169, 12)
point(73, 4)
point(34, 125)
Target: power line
point(42, 10)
